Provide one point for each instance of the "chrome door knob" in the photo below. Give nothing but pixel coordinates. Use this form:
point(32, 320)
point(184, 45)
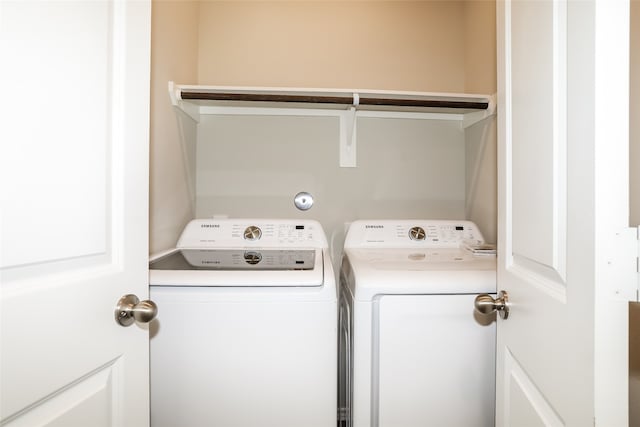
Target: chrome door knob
point(130, 309)
point(485, 304)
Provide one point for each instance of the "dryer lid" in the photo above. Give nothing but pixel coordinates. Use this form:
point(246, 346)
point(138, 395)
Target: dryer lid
point(374, 272)
point(421, 259)
point(400, 257)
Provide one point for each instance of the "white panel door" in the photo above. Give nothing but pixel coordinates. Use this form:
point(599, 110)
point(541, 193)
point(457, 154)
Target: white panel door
point(563, 99)
point(74, 187)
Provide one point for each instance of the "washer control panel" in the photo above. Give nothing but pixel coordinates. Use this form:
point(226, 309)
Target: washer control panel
point(412, 233)
point(241, 233)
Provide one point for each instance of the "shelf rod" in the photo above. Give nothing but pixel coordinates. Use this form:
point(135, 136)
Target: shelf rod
point(427, 103)
point(341, 100)
point(222, 96)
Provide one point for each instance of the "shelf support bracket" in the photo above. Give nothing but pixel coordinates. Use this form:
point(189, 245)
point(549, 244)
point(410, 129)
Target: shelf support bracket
point(193, 111)
point(471, 119)
point(348, 131)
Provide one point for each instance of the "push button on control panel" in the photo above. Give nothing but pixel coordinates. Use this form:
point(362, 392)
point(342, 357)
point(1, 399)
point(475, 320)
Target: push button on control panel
point(252, 233)
point(417, 233)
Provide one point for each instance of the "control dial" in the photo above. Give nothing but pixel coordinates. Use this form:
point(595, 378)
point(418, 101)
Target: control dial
point(417, 233)
point(252, 233)
point(252, 257)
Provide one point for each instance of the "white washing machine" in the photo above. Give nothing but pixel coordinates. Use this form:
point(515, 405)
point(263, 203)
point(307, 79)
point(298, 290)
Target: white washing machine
point(413, 351)
point(246, 333)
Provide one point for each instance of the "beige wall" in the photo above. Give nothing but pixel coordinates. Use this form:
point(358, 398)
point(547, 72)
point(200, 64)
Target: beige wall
point(395, 45)
point(634, 119)
point(481, 139)
point(446, 46)
point(634, 172)
point(481, 204)
point(480, 46)
point(174, 56)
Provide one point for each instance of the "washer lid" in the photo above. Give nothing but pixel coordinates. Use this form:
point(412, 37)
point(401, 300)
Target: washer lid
point(236, 259)
point(419, 271)
point(238, 267)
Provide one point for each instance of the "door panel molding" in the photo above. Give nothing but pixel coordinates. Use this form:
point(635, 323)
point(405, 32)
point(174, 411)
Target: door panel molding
point(88, 396)
point(538, 234)
point(518, 384)
point(52, 112)
point(542, 277)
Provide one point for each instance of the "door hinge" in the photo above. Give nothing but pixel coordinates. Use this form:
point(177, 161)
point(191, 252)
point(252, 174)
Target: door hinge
point(626, 274)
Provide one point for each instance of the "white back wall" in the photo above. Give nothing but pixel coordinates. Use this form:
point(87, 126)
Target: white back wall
point(254, 166)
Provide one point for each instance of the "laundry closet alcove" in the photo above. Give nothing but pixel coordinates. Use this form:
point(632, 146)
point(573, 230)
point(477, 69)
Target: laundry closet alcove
point(361, 153)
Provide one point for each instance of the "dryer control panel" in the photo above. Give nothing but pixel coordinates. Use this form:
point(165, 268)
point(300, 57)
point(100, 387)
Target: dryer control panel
point(411, 233)
point(243, 233)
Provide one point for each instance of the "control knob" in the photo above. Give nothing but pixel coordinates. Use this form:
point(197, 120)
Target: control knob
point(252, 233)
point(252, 258)
point(417, 233)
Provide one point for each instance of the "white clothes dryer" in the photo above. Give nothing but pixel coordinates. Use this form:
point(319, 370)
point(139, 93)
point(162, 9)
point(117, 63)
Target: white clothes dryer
point(246, 332)
point(413, 351)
